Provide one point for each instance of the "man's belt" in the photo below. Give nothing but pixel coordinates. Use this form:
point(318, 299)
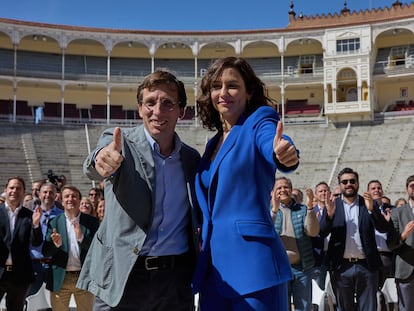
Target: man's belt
point(153, 263)
point(47, 261)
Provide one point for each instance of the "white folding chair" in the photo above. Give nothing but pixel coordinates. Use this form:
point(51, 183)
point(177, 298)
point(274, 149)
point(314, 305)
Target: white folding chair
point(321, 298)
point(3, 303)
point(329, 289)
point(72, 303)
point(389, 290)
point(40, 300)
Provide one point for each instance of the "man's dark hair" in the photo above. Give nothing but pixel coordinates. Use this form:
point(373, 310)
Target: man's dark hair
point(162, 77)
point(347, 170)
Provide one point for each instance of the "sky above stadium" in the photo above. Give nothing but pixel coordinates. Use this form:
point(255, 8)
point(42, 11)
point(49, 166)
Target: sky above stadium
point(175, 15)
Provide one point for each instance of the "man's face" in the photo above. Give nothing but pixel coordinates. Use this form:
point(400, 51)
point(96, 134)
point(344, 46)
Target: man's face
point(160, 111)
point(71, 200)
point(322, 193)
point(283, 191)
point(410, 190)
point(349, 185)
point(47, 196)
point(375, 189)
point(14, 193)
point(36, 189)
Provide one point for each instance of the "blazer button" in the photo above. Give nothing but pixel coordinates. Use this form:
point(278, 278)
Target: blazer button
point(136, 250)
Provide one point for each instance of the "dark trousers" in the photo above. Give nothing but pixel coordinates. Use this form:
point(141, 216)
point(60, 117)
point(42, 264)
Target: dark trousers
point(155, 290)
point(16, 294)
point(405, 290)
point(41, 273)
point(355, 281)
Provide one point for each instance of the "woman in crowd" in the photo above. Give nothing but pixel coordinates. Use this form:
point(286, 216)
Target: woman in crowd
point(242, 265)
point(86, 206)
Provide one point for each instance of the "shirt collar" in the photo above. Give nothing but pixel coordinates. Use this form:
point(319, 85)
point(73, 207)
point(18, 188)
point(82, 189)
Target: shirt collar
point(9, 209)
point(156, 148)
point(71, 219)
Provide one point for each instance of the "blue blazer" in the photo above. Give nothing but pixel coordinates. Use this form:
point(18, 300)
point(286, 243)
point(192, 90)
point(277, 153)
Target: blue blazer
point(368, 222)
point(238, 236)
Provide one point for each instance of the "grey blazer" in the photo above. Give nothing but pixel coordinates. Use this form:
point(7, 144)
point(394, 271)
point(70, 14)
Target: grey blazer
point(404, 251)
point(129, 204)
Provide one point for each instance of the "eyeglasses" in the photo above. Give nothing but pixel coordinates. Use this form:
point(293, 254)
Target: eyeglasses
point(336, 195)
point(166, 104)
point(346, 181)
point(93, 194)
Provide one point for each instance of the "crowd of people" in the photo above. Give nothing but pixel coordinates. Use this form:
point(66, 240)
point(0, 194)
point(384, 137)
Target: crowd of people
point(168, 223)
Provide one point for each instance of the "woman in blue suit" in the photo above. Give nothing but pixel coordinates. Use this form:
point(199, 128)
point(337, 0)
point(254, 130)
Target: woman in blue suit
point(242, 264)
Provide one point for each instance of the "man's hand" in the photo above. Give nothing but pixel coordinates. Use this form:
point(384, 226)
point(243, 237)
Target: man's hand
point(56, 238)
point(369, 202)
point(37, 214)
point(330, 205)
point(285, 153)
point(407, 230)
point(109, 158)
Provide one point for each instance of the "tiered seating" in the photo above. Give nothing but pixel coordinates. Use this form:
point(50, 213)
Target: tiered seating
point(301, 106)
point(98, 112)
point(189, 113)
point(71, 111)
point(23, 109)
point(182, 67)
point(52, 110)
point(130, 66)
point(43, 64)
point(402, 105)
point(6, 61)
point(132, 114)
point(265, 66)
point(6, 106)
point(117, 112)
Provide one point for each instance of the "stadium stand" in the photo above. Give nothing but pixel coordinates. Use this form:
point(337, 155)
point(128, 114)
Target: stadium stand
point(344, 82)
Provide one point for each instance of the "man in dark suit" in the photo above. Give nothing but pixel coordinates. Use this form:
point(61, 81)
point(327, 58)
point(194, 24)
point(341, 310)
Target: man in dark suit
point(352, 254)
point(68, 238)
point(402, 240)
point(18, 228)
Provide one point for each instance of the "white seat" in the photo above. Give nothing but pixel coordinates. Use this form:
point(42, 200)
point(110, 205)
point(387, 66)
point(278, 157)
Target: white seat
point(72, 303)
point(389, 289)
point(40, 300)
point(196, 302)
point(329, 289)
point(321, 298)
point(3, 303)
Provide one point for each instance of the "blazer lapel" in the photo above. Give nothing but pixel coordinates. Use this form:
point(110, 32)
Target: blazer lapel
point(227, 145)
point(63, 231)
point(5, 218)
point(18, 223)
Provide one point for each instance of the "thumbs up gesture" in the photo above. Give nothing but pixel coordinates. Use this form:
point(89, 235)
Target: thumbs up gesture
point(109, 158)
point(285, 152)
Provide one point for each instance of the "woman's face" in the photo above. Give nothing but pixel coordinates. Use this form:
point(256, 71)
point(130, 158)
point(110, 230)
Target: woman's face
point(229, 95)
point(85, 207)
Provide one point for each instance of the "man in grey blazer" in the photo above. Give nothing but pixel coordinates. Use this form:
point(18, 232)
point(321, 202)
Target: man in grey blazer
point(402, 240)
point(143, 255)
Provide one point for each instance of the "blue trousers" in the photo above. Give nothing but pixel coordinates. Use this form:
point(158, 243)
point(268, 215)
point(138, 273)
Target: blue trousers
point(273, 298)
point(300, 289)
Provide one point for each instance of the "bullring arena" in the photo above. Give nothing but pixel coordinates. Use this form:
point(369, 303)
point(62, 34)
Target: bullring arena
point(343, 83)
